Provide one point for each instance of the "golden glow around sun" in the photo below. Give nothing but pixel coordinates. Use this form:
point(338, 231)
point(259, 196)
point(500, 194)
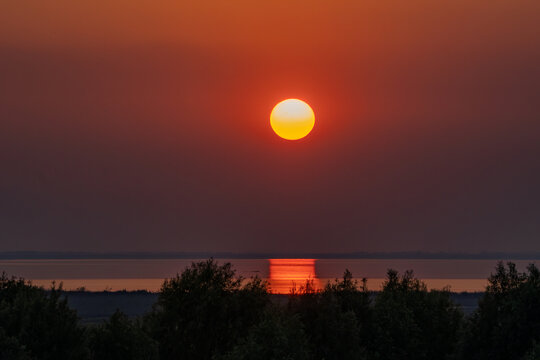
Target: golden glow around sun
point(292, 119)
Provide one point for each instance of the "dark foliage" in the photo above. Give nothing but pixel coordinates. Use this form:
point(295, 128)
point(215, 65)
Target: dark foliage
point(204, 311)
point(209, 313)
point(11, 349)
point(278, 336)
point(507, 322)
point(533, 353)
point(412, 321)
point(121, 339)
point(38, 323)
point(334, 318)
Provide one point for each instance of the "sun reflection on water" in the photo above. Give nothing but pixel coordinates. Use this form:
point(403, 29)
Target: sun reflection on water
point(288, 273)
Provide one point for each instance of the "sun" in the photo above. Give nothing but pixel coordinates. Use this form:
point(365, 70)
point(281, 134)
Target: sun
point(292, 119)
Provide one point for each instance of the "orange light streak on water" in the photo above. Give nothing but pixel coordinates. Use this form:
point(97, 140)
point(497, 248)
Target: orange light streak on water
point(288, 273)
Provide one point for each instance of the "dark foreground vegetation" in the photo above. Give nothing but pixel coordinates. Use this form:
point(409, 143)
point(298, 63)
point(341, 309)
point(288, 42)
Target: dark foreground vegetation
point(207, 312)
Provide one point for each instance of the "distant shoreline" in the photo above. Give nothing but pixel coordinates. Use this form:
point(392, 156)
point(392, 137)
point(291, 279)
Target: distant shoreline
point(97, 306)
point(49, 255)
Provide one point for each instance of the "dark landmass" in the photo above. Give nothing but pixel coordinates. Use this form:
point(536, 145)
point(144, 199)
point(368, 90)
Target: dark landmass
point(16, 255)
point(208, 312)
point(95, 307)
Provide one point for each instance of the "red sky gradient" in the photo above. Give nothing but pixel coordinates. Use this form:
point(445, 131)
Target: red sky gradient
point(131, 125)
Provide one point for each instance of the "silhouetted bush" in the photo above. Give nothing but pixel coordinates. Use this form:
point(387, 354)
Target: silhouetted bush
point(11, 349)
point(278, 336)
point(204, 311)
point(38, 323)
point(121, 339)
point(507, 321)
point(533, 353)
point(333, 318)
point(412, 322)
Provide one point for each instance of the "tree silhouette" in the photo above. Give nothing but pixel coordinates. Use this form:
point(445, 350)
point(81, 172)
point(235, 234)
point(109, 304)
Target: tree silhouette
point(121, 339)
point(11, 349)
point(332, 318)
point(205, 310)
point(507, 322)
point(39, 321)
point(411, 321)
point(278, 336)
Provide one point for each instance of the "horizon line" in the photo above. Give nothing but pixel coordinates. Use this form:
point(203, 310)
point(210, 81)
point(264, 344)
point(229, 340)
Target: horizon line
point(440, 255)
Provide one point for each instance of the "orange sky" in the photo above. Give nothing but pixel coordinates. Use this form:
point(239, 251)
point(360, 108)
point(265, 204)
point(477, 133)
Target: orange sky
point(302, 26)
point(427, 124)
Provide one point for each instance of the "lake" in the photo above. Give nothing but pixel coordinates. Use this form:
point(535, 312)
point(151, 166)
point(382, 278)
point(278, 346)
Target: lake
point(148, 274)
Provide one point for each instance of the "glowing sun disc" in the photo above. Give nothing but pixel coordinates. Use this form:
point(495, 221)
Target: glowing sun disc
point(292, 119)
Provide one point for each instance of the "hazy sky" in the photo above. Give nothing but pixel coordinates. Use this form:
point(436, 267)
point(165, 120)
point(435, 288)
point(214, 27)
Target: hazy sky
point(143, 126)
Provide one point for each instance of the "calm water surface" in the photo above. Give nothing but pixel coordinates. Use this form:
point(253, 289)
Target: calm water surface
point(282, 274)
